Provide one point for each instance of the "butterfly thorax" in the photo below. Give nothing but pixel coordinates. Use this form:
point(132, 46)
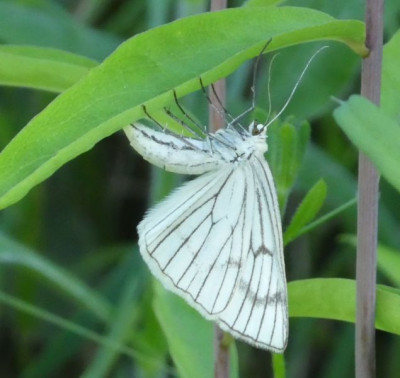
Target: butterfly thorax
point(231, 146)
point(238, 147)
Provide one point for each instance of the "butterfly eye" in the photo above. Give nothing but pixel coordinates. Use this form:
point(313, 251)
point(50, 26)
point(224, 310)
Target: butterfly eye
point(257, 128)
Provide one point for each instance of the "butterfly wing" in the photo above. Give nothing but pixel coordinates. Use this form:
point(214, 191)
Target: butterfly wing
point(257, 311)
point(217, 242)
point(194, 240)
point(171, 152)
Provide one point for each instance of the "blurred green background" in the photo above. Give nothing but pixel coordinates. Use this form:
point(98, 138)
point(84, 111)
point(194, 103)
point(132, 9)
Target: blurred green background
point(68, 249)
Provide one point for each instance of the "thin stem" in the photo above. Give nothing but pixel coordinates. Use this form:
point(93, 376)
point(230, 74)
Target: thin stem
point(221, 349)
point(368, 187)
point(216, 120)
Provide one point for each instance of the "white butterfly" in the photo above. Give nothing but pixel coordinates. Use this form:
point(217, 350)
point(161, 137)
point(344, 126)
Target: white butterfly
point(217, 240)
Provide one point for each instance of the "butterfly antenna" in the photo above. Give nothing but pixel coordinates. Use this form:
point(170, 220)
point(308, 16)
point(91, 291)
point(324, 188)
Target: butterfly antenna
point(295, 87)
point(182, 123)
point(223, 114)
point(193, 121)
point(149, 116)
point(166, 131)
point(269, 87)
point(252, 88)
point(255, 72)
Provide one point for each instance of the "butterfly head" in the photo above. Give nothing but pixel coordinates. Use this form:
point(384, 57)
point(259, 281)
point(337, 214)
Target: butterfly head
point(258, 131)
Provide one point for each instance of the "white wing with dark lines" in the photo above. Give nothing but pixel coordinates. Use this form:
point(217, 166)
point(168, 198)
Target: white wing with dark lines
point(217, 242)
point(195, 239)
point(258, 310)
point(172, 152)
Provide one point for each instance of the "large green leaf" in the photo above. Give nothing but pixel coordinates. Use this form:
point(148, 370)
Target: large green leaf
point(374, 133)
point(335, 299)
point(144, 70)
point(41, 68)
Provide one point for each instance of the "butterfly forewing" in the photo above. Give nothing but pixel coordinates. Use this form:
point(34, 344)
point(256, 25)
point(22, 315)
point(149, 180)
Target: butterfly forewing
point(171, 152)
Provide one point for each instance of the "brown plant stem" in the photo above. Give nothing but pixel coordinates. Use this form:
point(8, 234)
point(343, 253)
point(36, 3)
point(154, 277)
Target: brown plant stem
point(221, 349)
point(368, 187)
point(216, 121)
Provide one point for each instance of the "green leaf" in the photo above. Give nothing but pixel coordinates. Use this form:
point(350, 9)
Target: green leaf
point(145, 69)
point(335, 299)
point(389, 263)
point(120, 330)
point(62, 345)
point(390, 97)
point(149, 338)
point(342, 188)
point(388, 259)
point(261, 3)
point(49, 25)
point(41, 68)
point(374, 133)
point(12, 253)
point(63, 323)
point(278, 365)
point(288, 146)
point(189, 335)
point(307, 211)
point(326, 217)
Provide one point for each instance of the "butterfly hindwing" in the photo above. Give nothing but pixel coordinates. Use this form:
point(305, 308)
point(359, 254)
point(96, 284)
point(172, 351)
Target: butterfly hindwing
point(216, 241)
point(257, 312)
point(189, 240)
